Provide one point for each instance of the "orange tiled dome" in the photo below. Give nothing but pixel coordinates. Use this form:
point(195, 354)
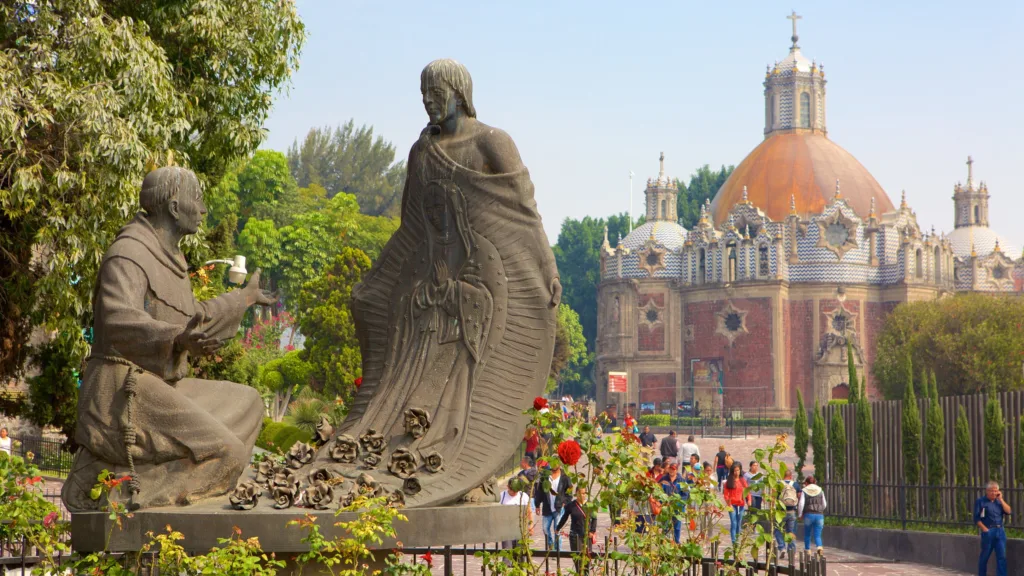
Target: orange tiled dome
point(801, 163)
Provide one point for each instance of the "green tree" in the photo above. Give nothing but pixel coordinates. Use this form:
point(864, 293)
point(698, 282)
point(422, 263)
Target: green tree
point(911, 440)
point(837, 444)
point(93, 92)
point(963, 462)
point(349, 159)
point(995, 437)
point(570, 350)
point(53, 393)
point(851, 368)
point(972, 341)
point(935, 447)
point(281, 378)
point(800, 433)
point(579, 265)
point(260, 242)
point(1020, 452)
point(266, 189)
point(865, 428)
point(703, 185)
point(331, 344)
point(819, 439)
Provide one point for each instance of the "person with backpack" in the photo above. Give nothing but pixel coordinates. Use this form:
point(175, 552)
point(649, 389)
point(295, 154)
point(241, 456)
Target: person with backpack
point(721, 468)
point(735, 500)
point(812, 509)
point(790, 498)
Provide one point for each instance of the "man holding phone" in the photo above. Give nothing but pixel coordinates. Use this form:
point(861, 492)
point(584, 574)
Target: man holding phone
point(989, 511)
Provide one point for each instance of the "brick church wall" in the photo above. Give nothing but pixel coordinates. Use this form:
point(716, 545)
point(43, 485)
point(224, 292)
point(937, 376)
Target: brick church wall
point(748, 362)
point(658, 388)
point(800, 344)
point(651, 338)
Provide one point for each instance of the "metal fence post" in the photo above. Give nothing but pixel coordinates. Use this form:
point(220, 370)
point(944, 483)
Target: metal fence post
point(903, 505)
point(447, 561)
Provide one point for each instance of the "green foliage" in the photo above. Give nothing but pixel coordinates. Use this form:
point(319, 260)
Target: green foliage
point(1020, 452)
point(53, 393)
point(266, 189)
point(279, 437)
point(800, 433)
point(852, 379)
point(305, 411)
point(23, 507)
point(326, 321)
point(570, 355)
point(349, 159)
point(995, 437)
point(93, 92)
point(962, 458)
point(935, 447)
point(704, 184)
point(260, 242)
point(837, 444)
point(309, 245)
point(865, 427)
point(972, 341)
point(819, 439)
point(839, 402)
point(911, 424)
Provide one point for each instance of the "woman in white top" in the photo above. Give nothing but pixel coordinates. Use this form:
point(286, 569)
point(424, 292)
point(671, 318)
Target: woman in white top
point(516, 494)
point(5, 441)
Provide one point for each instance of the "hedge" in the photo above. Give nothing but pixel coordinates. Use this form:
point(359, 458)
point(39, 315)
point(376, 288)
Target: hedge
point(664, 421)
point(279, 437)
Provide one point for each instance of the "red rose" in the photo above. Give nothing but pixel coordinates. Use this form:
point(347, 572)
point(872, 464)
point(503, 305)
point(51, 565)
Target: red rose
point(50, 519)
point(359, 382)
point(428, 558)
point(540, 403)
point(569, 452)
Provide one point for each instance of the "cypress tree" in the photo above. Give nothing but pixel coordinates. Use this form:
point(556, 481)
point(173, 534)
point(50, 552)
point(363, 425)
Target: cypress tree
point(911, 442)
point(963, 462)
point(935, 444)
point(995, 427)
point(865, 450)
point(935, 387)
point(819, 437)
point(800, 433)
point(863, 391)
point(837, 442)
point(854, 392)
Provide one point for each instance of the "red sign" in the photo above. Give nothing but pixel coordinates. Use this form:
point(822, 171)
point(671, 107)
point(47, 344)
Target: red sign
point(617, 382)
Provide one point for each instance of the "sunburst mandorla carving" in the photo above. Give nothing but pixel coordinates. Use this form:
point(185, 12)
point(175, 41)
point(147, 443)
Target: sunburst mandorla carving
point(650, 313)
point(837, 232)
point(731, 322)
point(652, 257)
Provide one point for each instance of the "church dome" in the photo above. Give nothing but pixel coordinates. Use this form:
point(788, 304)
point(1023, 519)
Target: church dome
point(668, 234)
point(804, 165)
point(983, 239)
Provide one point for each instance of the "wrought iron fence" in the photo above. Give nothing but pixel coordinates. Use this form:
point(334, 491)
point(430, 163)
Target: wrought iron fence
point(47, 454)
point(914, 505)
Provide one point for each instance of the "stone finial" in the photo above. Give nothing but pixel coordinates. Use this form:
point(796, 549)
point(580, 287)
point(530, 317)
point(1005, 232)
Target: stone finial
point(871, 213)
point(996, 248)
point(974, 254)
point(605, 243)
point(903, 200)
point(746, 232)
point(661, 168)
point(970, 172)
point(745, 199)
point(838, 194)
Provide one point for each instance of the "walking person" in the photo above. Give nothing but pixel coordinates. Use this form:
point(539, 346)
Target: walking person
point(755, 493)
point(721, 468)
point(688, 449)
point(532, 439)
point(790, 499)
point(737, 503)
point(647, 439)
point(581, 529)
point(989, 511)
point(515, 495)
point(670, 448)
point(672, 483)
point(550, 497)
point(812, 509)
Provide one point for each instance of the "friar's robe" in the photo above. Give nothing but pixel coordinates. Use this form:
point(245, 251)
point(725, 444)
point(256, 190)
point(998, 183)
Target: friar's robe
point(193, 437)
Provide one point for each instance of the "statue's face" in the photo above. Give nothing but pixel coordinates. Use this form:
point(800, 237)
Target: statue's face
point(440, 101)
point(188, 210)
point(436, 208)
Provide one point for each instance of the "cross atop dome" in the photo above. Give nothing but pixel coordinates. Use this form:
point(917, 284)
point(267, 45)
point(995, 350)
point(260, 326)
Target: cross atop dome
point(794, 17)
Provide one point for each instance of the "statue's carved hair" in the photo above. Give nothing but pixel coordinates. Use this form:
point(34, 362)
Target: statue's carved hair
point(455, 75)
point(165, 184)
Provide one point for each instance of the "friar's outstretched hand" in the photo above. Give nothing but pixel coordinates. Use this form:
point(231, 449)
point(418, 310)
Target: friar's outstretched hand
point(256, 295)
point(556, 292)
point(196, 342)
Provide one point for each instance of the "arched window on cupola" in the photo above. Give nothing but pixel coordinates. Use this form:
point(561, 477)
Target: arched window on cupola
point(920, 263)
point(977, 212)
point(938, 265)
point(763, 267)
point(771, 113)
point(805, 110)
point(664, 209)
point(732, 262)
point(702, 267)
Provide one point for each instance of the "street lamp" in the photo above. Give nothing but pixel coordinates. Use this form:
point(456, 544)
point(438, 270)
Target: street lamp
point(237, 272)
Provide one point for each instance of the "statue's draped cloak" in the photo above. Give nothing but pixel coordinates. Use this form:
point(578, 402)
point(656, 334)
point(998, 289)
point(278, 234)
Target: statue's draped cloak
point(509, 357)
point(189, 432)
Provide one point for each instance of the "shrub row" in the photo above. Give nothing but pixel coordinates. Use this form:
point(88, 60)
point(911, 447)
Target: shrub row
point(664, 421)
point(278, 436)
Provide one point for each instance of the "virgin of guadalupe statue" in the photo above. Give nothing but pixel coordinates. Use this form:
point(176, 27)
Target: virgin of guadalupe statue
point(457, 318)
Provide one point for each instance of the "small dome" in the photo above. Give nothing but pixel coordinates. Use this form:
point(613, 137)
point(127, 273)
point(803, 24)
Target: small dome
point(668, 234)
point(795, 60)
point(984, 240)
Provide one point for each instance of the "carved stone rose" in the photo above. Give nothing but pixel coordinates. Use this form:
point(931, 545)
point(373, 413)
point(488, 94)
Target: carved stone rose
point(345, 449)
point(371, 461)
point(319, 495)
point(347, 499)
point(411, 486)
point(396, 498)
point(319, 475)
point(324, 431)
point(246, 495)
point(264, 472)
point(433, 462)
point(403, 463)
point(300, 455)
point(284, 478)
point(373, 442)
point(417, 422)
point(366, 483)
point(284, 496)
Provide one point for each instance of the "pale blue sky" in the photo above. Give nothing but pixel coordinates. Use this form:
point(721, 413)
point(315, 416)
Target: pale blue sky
point(592, 90)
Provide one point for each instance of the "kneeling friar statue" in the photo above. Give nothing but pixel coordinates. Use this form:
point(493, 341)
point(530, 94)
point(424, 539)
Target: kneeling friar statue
point(180, 439)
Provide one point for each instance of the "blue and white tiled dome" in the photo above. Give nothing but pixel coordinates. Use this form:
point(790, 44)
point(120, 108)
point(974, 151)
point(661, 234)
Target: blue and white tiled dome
point(668, 234)
point(984, 240)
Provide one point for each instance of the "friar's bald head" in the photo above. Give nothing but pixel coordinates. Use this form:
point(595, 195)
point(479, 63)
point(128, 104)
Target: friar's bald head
point(450, 73)
point(174, 192)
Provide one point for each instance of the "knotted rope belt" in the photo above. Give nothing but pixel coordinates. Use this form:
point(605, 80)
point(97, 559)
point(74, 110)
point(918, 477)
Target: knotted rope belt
point(129, 438)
